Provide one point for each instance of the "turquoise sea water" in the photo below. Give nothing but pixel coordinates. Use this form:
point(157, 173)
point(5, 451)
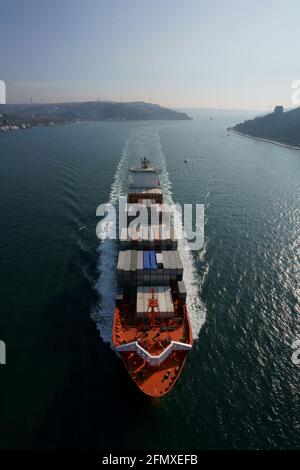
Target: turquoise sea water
point(62, 386)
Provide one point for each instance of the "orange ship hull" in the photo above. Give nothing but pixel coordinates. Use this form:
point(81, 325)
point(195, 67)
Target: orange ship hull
point(154, 381)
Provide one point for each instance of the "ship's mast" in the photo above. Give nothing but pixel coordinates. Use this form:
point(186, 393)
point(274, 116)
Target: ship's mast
point(145, 163)
point(152, 305)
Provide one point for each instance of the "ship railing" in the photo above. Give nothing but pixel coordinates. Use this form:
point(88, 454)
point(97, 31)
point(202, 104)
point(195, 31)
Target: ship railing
point(152, 360)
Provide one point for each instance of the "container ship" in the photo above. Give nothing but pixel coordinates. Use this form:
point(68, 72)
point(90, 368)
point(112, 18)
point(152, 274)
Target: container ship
point(151, 331)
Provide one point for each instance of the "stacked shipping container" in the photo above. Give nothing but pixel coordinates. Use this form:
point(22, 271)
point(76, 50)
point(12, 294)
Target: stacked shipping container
point(163, 296)
point(148, 267)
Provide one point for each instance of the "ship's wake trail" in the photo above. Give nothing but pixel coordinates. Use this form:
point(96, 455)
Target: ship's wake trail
point(195, 305)
point(142, 142)
point(106, 284)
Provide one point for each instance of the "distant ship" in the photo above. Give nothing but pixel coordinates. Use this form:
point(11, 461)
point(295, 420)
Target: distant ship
point(151, 331)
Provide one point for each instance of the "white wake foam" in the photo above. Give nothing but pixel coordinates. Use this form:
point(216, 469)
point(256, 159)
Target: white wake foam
point(195, 305)
point(106, 285)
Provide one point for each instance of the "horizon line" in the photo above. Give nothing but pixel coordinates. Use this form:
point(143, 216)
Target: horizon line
point(136, 101)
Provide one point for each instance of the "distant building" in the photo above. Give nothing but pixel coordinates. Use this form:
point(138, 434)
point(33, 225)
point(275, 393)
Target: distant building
point(278, 109)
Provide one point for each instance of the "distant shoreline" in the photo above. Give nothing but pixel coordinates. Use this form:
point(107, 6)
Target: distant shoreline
point(275, 142)
point(27, 126)
point(13, 116)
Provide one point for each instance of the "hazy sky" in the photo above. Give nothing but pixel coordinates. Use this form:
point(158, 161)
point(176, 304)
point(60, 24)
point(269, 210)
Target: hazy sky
point(192, 53)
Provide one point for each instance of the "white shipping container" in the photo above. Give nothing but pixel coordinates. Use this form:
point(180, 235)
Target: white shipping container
point(179, 266)
point(140, 261)
point(169, 302)
point(159, 258)
point(161, 300)
point(140, 300)
point(145, 301)
point(156, 232)
point(120, 265)
point(144, 233)
point(127, 261)
point(166, 262)
point(171, 260)
point(142, 303)
point(155, 294)
point(182, 290)
point(151, 234)
point(172, 264)
point(123, 234)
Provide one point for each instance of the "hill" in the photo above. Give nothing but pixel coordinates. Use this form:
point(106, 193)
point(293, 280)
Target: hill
point(39, 114)
point(279, 126)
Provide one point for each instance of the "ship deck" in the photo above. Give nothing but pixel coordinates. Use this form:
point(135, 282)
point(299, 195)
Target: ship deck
point(158, 381)
point(153, 337)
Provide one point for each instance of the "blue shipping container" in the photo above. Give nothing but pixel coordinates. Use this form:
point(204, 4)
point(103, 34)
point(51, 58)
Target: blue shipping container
point(146, 259)
point(152, 257)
